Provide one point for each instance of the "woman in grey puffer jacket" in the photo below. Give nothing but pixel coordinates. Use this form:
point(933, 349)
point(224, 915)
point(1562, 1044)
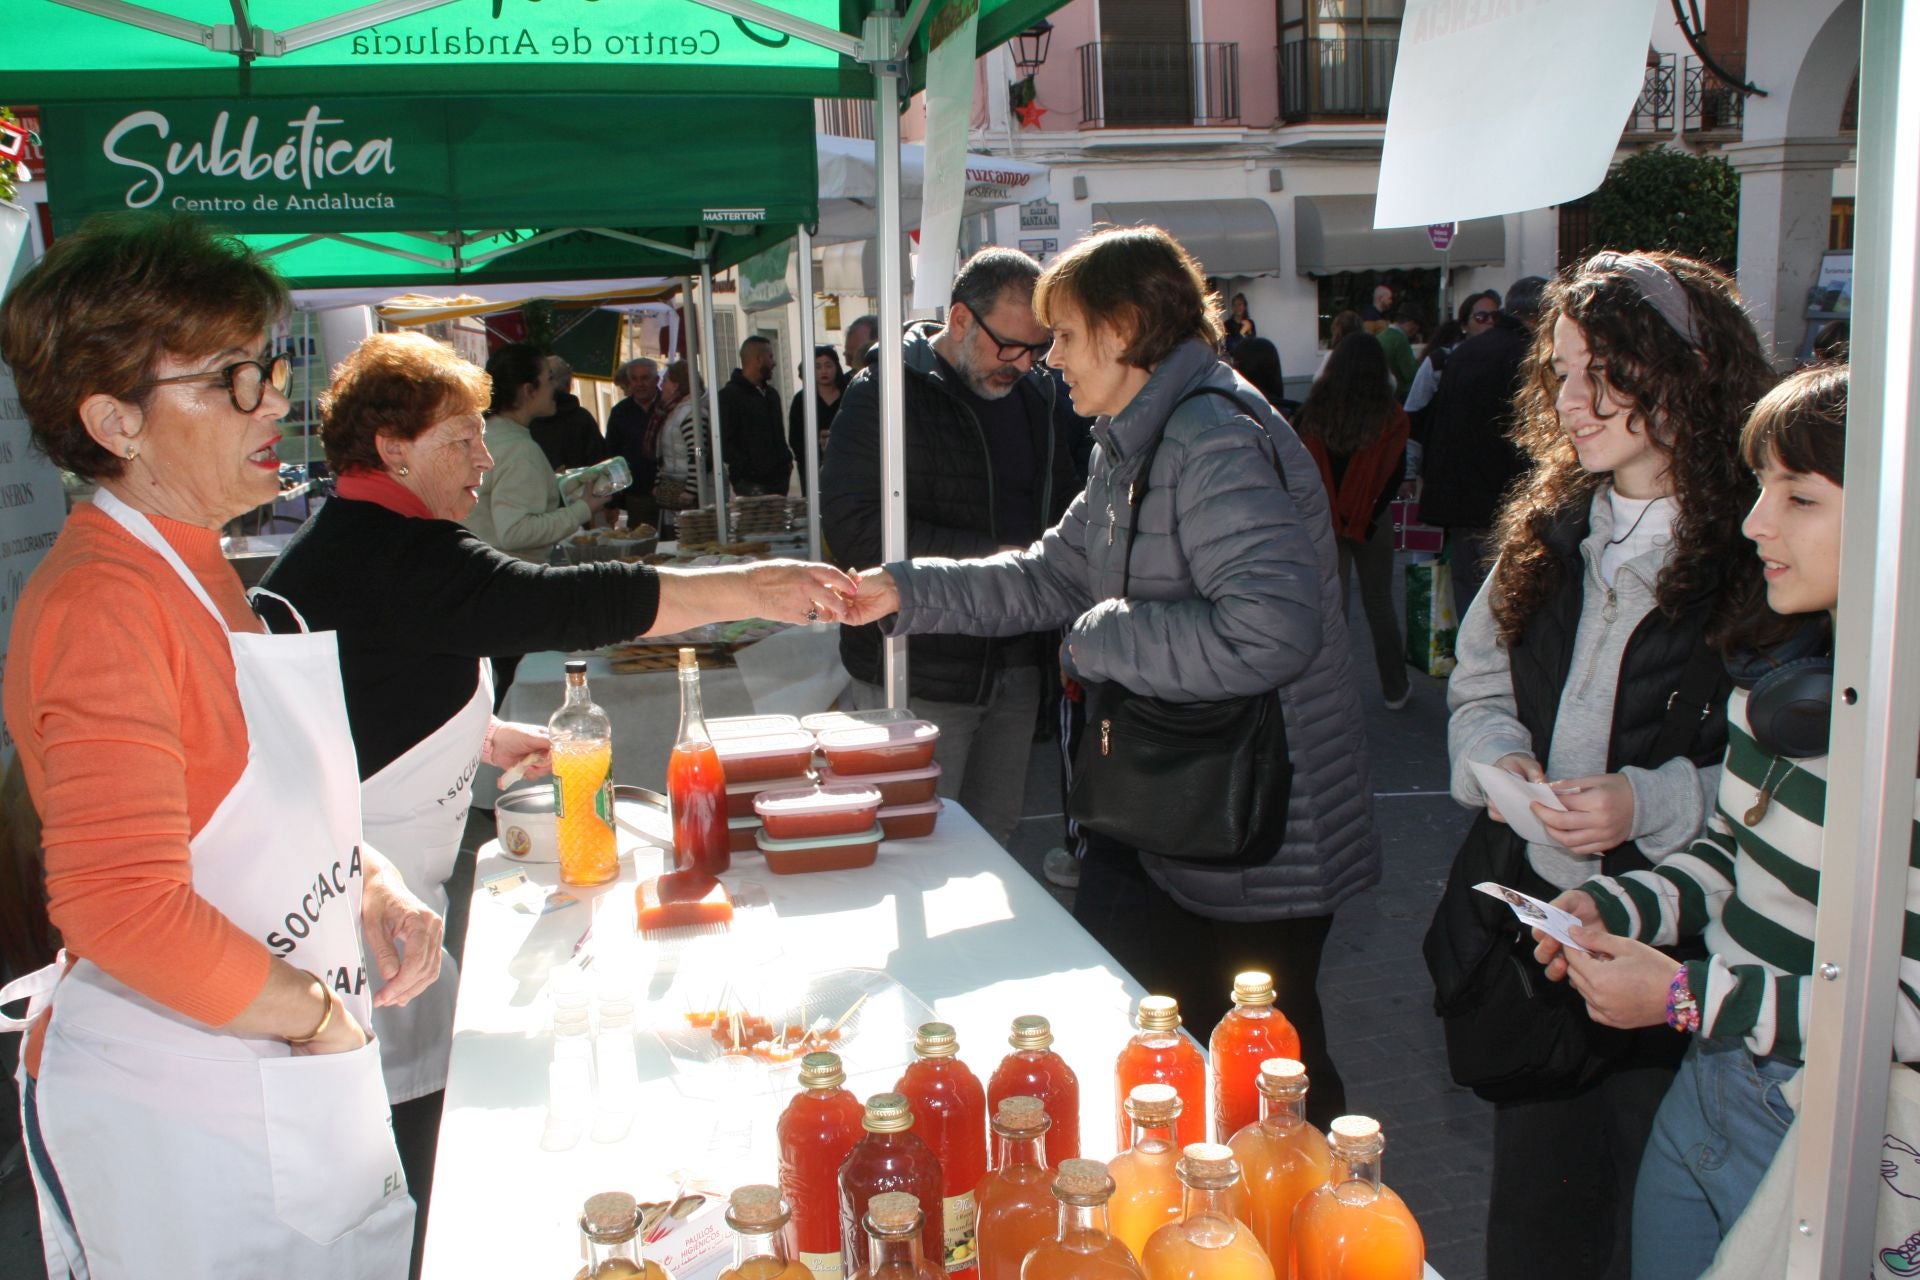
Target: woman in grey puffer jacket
point(1233, 592)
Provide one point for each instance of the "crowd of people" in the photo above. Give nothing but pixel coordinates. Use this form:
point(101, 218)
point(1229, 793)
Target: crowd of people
point(251, 807)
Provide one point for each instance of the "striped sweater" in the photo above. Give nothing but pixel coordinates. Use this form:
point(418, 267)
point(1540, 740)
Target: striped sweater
point(1750, 892)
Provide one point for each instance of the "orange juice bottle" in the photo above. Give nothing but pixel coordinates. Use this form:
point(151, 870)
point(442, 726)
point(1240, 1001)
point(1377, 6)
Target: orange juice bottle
point(1161, 1055)
point(1081, 1249)
point(583, 784)
point(758, 1217)
point(1252, 1032)
point(1146, 1188)
point(1282, 1157)
point(610, 1231)
point(893, 1227)
point(1209, 1242)
point(1015, 1205)
point(1353, 1228)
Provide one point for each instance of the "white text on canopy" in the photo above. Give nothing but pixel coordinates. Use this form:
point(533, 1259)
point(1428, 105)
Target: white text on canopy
point(304, 155)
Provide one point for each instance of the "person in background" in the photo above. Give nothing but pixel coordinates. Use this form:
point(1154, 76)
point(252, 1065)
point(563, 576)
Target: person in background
point(1233, 592)
point(632, 425)
point(751, 434)
point(1396, 340)
point(1344, 323)
point(1377, 312)
point(860, 339)
point(830, 380)
point(1476, 316)
point(568, 436)
point(1469, 459)
point(682, 447)
point(1621, 564)
point(418, 602)
point(1358, 437)
point(1258, 361)
point(987, 471)
point(199, 1095)
point(1240, 324)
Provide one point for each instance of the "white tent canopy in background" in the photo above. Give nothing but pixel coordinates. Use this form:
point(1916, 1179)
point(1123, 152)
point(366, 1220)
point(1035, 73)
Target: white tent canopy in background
point(490, 297)
point(849, 188)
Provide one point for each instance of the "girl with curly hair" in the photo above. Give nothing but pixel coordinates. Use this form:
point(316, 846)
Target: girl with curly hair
point(1589, 662)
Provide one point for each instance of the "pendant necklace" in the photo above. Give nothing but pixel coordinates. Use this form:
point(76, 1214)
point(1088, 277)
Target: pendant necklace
point(1635, 527)
point(1753, 815)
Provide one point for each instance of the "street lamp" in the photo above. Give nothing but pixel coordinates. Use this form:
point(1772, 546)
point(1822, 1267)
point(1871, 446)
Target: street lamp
point(1030, 47)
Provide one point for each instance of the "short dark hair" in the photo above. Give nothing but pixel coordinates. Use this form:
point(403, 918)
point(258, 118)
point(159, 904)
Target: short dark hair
point(394, 384)
point(990, 273)
point(1474, 300)
point(1258, 361)
point(870, 323)
point(1526, 296)
point(751, 339)
point(1139, 282)
point(516, 365)
point(107, 302)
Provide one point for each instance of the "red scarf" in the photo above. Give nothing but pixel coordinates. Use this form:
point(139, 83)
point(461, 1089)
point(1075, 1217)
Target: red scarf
point(364, 484)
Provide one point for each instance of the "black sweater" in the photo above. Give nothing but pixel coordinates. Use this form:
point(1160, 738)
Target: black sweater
point(418, 601)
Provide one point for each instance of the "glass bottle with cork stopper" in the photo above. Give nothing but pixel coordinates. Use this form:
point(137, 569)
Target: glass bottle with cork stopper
point(1251, 1032)
point(1282, 1157)
point(1159, 1054)
point(582, 738)
point(1081, 1248)
point(610, 1231)
point(1354, 1227)
point(1210, 1242)
point(950, 1115)
point(894, 1228)
point(1034, 1070)
point(1147, 1192)
point(696, 784)
point(819, 1127)
point(1016, 1205)
point(758, 1217)
point(889, 1157)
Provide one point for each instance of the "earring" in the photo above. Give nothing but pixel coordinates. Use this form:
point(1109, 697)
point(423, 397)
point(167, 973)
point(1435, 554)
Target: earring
point(401, 471)
point(133, 451)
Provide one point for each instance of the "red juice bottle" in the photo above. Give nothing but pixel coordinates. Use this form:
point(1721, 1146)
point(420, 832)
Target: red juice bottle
point(1161, 1055)
point(890, 1157)
point(1252, 1032)
point(950, 1115)
point(1034, 1070)
point(816, 1131)
point(1017, 1208)
point(696, 784)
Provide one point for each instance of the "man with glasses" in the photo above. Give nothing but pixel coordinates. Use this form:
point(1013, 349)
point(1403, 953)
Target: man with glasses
point(987, 470)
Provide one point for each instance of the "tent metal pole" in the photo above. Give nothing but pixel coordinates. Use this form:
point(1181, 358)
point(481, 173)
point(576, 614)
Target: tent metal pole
point(710, 369)
point(809, 397)
point(689, 338)
point(893, 415)
point(1868, 831)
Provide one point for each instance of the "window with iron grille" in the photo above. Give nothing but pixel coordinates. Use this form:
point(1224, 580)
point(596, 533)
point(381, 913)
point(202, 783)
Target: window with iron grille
point(1337, 57)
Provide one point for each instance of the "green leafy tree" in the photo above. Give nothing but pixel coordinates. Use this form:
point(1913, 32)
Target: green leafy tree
point(1668, 199)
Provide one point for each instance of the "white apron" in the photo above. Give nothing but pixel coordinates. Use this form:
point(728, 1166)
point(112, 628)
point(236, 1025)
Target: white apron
point(186, 1152)
point(414, 812)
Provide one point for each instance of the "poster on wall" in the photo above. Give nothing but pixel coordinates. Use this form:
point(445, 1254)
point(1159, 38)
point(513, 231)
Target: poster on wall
point(32, 505)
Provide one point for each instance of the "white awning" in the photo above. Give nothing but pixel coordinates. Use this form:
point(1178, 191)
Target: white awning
point(848, 188)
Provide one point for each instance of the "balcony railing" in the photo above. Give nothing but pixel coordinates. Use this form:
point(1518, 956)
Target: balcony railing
point(1712, 107)
point(843, 117)
point(1139, 84)
point(1340, 77)
point(1653, 109)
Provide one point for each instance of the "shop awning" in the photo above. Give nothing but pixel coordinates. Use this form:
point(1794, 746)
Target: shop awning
point(1336, 233)
point(1229, 237)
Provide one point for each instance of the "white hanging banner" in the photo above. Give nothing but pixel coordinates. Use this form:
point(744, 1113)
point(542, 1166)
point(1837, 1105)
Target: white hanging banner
point(950, 67)
point(1567, 71)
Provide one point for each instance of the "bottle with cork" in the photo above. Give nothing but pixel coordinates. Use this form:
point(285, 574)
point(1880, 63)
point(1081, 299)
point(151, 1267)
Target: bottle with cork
point(758, 1218)
point(1251, 1032)
point(1034, 1070)
point(610, 1239)
point(1159, 1054)
point(1282, 1157)
point(950, 1115)
point(1016, 1205)
point(894, 1227)
point(818, 1129)
point(1081, 1247)
point(1210, 1242)
point(1147, 1191)
point(889, 1157)
point(1354, 1227)
point(582, 737)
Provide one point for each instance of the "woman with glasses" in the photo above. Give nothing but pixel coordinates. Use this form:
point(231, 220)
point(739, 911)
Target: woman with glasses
point(1477, 315)
point(199, 1092)
point(1221, 583)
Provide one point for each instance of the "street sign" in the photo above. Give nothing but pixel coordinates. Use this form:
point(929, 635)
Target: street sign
point(1440, 235)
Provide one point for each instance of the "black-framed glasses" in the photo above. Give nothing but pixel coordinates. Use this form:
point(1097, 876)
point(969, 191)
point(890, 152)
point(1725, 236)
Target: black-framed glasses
point(1008, 352)
point(246, 381)
point(1482, 317)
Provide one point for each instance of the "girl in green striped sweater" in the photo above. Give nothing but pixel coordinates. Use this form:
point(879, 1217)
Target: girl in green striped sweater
point(1748, 887)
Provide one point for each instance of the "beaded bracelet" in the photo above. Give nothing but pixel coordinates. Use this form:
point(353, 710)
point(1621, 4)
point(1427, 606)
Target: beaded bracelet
point(1683, 1012)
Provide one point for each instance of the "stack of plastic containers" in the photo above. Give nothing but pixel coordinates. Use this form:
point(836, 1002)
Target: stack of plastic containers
point(896, 757)
point(758, 753)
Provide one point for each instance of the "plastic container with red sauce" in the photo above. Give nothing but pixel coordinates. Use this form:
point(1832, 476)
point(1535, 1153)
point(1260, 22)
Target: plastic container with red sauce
point(741, 833)
point(911, 821)
point(908, 786)
point(828, 853)
point(766, 757)
point(741, 795)
point(843, 809)
point(880, 748)
point(854, 719)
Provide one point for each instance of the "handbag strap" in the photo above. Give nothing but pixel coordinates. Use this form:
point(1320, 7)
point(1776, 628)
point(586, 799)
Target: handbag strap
point(1137, 491)
point(1690, 704)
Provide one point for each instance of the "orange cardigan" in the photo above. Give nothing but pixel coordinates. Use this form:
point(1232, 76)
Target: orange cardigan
point(1365, 478)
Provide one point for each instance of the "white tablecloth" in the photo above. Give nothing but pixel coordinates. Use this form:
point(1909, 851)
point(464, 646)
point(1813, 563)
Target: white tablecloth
point(792, 672)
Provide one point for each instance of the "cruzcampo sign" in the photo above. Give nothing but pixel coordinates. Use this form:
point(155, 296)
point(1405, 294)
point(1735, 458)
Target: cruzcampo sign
point(372, 164)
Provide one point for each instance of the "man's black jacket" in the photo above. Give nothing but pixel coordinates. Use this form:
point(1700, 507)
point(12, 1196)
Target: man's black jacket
point(1469, 461)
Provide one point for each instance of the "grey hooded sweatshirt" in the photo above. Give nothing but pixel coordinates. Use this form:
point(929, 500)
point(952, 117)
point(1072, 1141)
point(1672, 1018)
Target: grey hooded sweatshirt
point(1233, 592)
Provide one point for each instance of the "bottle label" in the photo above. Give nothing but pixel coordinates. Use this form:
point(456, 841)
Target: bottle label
point(603, 798)
point(559, 797)
point(962, 1245)
point(825, 1266)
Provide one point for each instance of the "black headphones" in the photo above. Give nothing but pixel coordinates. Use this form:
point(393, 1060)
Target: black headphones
point(1790, 708)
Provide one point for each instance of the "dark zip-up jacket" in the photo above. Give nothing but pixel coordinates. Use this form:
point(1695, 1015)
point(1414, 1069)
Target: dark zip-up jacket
point(950, 507)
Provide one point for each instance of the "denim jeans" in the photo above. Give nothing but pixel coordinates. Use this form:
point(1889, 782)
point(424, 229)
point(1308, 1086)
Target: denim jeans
point(1712, 1141)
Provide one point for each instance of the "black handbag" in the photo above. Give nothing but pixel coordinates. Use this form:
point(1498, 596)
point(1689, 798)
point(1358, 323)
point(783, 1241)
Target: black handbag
point(1511, 1032)
point(1199, 782)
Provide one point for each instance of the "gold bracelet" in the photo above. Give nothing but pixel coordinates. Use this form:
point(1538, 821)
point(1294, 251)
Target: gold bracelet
point(326, 1018)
